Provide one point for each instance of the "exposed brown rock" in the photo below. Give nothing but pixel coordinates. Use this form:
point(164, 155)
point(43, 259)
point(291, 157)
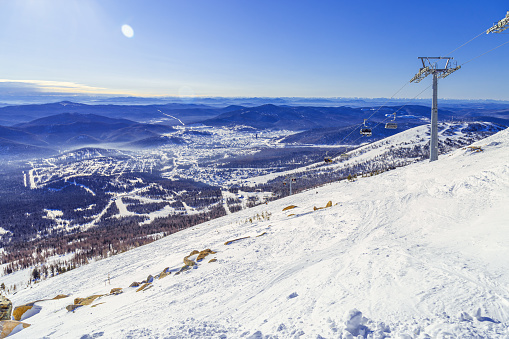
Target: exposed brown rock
point(7, 326)
point(18, 312)
point(204, 253)
point(134, 284)
point(329, 204)
point(189, 262)
point(475, 148)
point(87, 300)
point(213, 260)
point(231, 241)
point(116, 290)
point(164, 273)
point(183, 269)
point(144, 287)
point(71, 308)
point(289, 207)
point(60, 296)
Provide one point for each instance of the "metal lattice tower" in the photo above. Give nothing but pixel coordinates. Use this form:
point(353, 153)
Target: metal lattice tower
point(430, 66)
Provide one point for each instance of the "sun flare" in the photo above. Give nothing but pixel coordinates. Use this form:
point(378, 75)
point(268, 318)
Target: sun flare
point(127, 31)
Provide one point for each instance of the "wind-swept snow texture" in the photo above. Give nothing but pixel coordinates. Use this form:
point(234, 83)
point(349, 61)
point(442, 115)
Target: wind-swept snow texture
point(410, 253)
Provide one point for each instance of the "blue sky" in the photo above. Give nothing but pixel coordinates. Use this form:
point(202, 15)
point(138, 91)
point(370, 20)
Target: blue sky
point(249, 48)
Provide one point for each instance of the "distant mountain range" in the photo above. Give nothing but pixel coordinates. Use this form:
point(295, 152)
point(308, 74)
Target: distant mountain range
point(285, 118)
point(21, 150)
point(70, 130)
point(34, 129)
point(11, 115)
point(307, 118)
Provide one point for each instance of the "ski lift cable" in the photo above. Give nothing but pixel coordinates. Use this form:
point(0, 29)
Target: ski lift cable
point(454, 50)
point(355, 127)
point(480, 55)
point(491, 50)
point(406, 83)
point(424, 89)
point(382, 122)
point(387, 118)
point(469, 41)
point(379, 108)
point(399, 109)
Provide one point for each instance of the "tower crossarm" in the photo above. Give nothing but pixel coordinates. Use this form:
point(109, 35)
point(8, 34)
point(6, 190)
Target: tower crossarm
point(500, 26)
point(449, 71)
point(423, 72)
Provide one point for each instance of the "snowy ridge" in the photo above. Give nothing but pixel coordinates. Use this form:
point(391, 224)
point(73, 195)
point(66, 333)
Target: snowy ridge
point(418, 250)
point(398, 150)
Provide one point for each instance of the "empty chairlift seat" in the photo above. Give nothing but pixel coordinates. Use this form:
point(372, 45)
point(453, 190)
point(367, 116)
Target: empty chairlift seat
point(366, 131)
point(392, 124)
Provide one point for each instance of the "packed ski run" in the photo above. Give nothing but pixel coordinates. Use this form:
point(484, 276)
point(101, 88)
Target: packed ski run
point(417, 252)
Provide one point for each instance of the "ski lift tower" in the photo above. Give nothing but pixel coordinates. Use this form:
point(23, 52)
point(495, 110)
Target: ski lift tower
point(430, 66)
point(290, 178)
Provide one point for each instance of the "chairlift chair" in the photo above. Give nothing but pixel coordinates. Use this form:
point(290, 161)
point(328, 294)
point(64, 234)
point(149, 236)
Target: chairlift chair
point(365, 130)
point(392, 124)
point(327, 158)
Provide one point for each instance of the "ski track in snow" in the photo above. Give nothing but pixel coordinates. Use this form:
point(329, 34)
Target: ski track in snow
point(411, 249)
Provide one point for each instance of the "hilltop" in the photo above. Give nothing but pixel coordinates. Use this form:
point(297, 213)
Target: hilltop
point(419, 250)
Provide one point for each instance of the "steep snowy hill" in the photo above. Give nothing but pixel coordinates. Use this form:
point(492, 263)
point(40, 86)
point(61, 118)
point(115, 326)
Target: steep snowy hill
point(421, 251)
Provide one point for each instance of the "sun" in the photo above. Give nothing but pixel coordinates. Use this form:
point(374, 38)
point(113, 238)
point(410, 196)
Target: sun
point(127, 31)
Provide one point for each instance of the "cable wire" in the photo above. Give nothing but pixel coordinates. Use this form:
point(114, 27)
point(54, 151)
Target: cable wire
point(382, 122)
point(491, 50)
point(454, 50)
point(359, 125)
point(469, 41)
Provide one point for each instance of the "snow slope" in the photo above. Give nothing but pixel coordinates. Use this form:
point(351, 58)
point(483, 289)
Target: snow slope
point(418, 250)
point(450, 137)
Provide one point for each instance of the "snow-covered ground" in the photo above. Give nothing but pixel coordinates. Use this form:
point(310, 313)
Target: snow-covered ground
point(422, 251)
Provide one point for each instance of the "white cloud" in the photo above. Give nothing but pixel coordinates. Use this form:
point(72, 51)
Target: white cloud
point(48, 86)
